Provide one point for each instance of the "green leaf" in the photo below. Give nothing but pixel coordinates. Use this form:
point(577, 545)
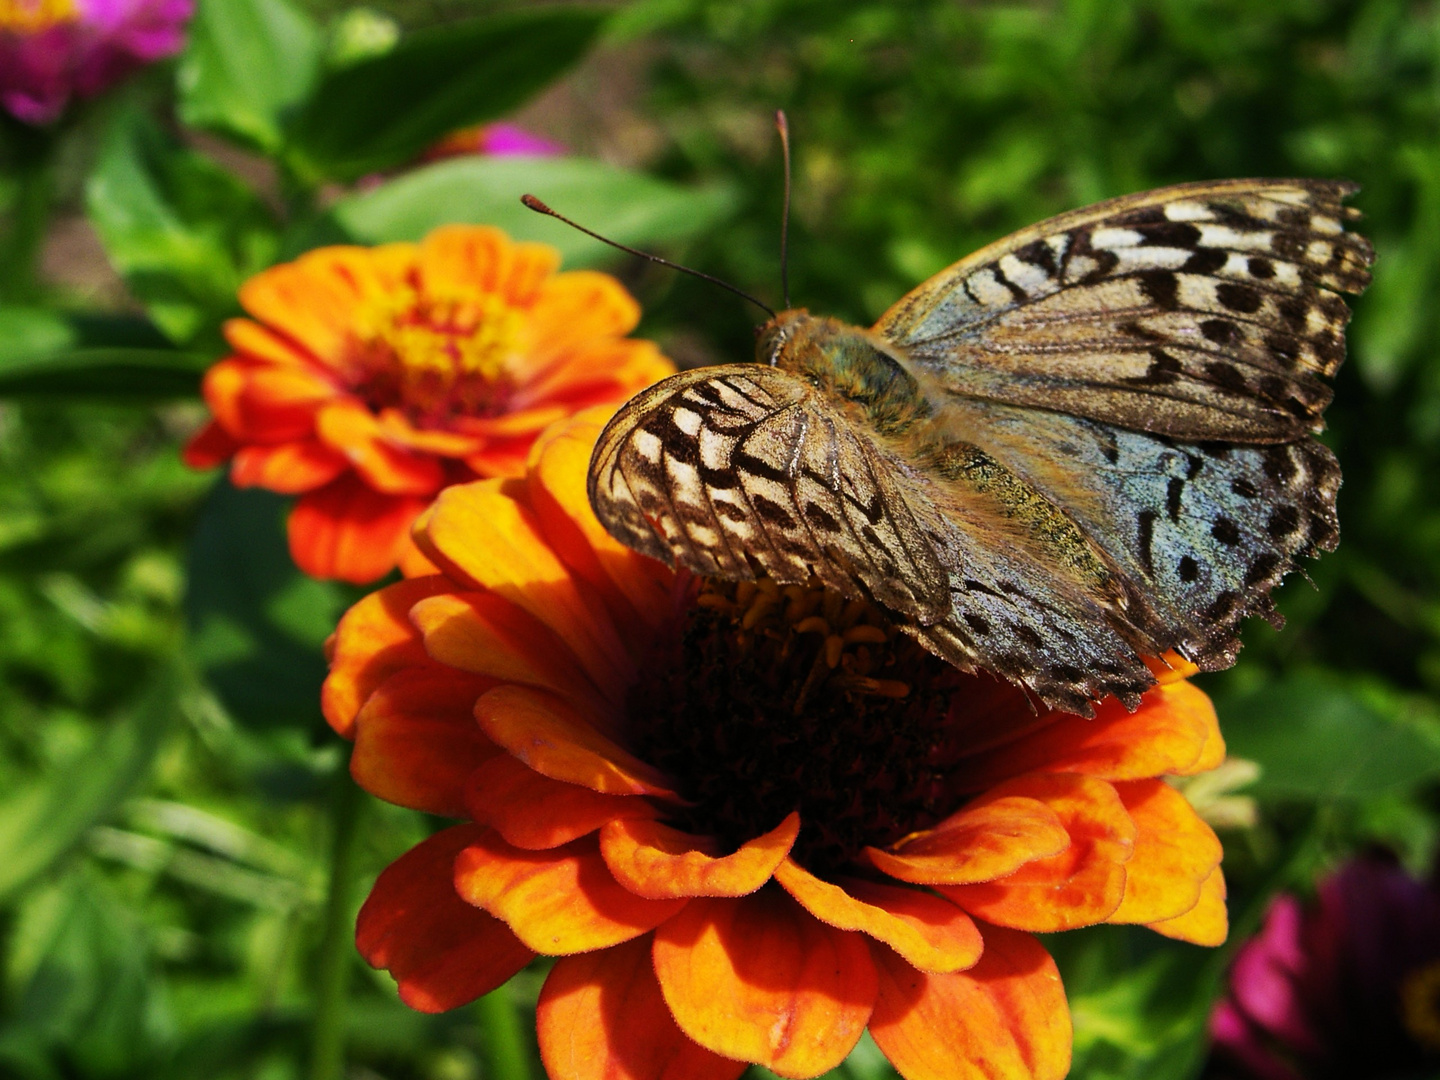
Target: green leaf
point(1319, 736)
point(257, 624)
point(246, 64)
point(133, 375)
point(182, 231)
point(628, 207)
point(382, 112)
point(42, 821)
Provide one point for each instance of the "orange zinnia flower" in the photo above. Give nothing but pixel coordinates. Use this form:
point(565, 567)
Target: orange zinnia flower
point(371, 378)
point(749, 821)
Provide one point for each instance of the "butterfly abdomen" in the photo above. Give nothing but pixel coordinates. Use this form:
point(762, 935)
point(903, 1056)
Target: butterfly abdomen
point(845, 362)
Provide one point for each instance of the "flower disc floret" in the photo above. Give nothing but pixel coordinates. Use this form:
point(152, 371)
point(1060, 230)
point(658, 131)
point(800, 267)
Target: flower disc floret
point(368, 379)
point(749, 821)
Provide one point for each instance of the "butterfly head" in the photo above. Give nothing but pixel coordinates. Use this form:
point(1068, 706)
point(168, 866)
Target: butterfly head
point(779, 336)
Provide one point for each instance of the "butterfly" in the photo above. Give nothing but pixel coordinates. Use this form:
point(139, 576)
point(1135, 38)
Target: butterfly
point(1087, 443)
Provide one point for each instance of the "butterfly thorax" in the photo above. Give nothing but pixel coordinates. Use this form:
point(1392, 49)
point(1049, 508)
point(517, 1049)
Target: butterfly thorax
point(848, 363)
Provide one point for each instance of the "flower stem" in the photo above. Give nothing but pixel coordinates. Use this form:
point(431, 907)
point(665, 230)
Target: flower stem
point(503, 1049)
point(332, 969)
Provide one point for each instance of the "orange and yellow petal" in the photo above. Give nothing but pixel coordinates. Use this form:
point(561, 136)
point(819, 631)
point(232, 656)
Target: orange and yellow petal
point(375, 640)
point(349, 427)
point(479, 532)
point(654, 860)
point(1004, 1019)
point(578, 307)
point(558, 902)
point(486, 634)
point(1207, 923)
point(760, 979)
point(1172, 730)
point(927, 930)
point(556, 740)
point(534, 812)
point(601, 1017)
point(468, 261)
point(212, 445)
point(1175, 853)
point(440, 950)
point(1082, 885)
point(267, 403)
point(416, 740)
point(290, 468)
point(349, 531)
point(988, 839)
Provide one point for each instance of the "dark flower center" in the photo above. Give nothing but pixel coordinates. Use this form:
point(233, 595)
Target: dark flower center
point(772, 699)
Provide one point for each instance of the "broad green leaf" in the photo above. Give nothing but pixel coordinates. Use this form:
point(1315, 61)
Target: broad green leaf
point(257, 623)
point(628, 207)
point(136, 375)
point(42, 821)
point(184, 232)
point(1318, 736)
point(246, 64)
point(380, 113)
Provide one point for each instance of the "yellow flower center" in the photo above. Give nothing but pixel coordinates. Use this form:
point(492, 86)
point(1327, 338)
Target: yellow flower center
point(1420, 1005)
point(35, 16)
point(438, 357)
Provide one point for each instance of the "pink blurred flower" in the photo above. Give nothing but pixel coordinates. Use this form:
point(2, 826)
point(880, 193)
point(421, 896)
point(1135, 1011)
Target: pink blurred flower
point(1347, 988)
point(493, 140)
point(51, 50)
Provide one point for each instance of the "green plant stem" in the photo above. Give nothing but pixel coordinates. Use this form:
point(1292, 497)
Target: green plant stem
point(327, 1033)
point(503, 1047)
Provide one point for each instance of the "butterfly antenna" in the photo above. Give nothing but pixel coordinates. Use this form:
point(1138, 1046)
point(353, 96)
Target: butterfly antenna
point(540, 208)
point(782, 126)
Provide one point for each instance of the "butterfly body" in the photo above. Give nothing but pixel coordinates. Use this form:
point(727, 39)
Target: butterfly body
point(1086, 444)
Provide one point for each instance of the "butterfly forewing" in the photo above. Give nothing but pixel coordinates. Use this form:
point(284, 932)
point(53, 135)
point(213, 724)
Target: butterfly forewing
point(1202, 311)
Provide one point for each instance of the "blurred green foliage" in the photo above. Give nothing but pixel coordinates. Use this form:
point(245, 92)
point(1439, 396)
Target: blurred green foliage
point(170, 800)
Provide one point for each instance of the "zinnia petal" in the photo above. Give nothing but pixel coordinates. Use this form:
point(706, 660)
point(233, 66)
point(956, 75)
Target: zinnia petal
point(348, 531)
point(556, 741)
point(416, 740)
point(927, 930)
point(986, 840)
point(441, 951)
point(352, 429)
point(1004, 1019)
point(210, 446)
point(601, 1017)
point(1083, 884)
point(487, 635)
point(289, 468)
point(558, 902)
point(260, 402)
point(652, 859)
point(481, 533)
point(534, 812)
point(1175, 852)
point(1174, 725)
point(1207, 923)
point(580, 306)
point(760, 979)
point(464, 259)
point(374, 640)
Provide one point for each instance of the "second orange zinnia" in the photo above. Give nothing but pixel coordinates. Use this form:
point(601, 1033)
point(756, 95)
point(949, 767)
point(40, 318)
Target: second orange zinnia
point(368, 379)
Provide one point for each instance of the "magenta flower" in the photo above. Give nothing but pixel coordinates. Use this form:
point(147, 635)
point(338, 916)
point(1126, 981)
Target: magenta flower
point(1348, 987)
point(493, 140)
point(52, 50)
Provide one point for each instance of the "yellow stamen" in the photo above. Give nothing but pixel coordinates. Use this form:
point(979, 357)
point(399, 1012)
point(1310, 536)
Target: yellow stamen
point(35, 16)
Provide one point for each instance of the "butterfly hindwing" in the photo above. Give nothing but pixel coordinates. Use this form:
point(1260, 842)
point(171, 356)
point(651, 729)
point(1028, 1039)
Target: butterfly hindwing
point(1203, 311)
point(1199, 532)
